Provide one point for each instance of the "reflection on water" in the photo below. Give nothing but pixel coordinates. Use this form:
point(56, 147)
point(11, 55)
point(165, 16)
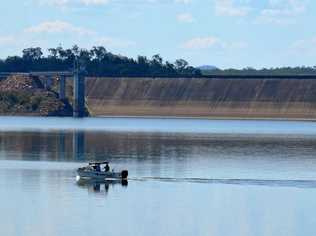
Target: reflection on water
point(78, 144)
point(180, 183)
point(100, 187)
point(172, 155)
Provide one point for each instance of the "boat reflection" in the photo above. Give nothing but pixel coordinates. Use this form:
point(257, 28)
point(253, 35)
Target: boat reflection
point(100, 186)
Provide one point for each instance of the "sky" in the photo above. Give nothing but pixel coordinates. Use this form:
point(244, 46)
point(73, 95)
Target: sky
point(224, 33)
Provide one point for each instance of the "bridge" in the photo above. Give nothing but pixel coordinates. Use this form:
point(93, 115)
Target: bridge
point(78, 86)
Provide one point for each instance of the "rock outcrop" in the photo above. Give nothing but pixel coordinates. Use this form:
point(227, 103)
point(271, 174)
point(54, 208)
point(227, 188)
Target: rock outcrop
point(21, 95)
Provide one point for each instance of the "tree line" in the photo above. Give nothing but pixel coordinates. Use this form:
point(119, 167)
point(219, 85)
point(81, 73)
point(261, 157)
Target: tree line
point(99, 62)
point(303, 70)
point(96, 61)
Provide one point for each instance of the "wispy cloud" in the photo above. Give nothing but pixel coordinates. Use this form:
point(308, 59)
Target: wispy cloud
point(279, 12)
point(62, 27)
point(185, 18)
point(231, 7)
point(282, 11)
point(6, 40)
point(306, 46)
point(95, 2)
point(57, 3)
point(183, 1)
point(64, 3)
point(211, 42)
point(58, 27)
point(201, 43)
point(110, 42)
point(161, 1)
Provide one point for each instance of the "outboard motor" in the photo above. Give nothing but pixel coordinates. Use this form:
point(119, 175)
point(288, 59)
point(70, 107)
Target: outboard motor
point(124, 174)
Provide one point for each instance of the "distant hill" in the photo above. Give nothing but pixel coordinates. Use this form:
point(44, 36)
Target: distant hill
point(264, 71)
point(207, 67)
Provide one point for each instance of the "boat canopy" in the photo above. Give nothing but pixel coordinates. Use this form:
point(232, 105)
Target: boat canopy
point(98, 163)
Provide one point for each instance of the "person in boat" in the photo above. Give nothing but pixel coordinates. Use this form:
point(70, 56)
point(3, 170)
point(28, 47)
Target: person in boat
point(107, 168)
point(97, 168)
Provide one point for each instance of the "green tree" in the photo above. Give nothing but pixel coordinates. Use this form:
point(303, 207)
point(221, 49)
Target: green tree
point(32, 54)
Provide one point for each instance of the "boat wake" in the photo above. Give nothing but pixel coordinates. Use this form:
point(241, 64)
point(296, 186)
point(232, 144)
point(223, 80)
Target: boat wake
point(254, 182)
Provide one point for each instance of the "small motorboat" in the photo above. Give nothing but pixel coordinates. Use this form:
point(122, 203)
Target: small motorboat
point(101, 171)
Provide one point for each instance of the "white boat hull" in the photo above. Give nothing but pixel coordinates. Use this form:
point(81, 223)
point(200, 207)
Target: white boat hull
point(101, 175)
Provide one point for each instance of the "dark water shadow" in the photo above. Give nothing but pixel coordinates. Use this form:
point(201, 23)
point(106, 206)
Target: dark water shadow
point(100, 186)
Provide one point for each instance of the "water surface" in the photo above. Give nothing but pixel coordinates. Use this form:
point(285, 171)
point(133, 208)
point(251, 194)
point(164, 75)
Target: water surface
point(187, 177)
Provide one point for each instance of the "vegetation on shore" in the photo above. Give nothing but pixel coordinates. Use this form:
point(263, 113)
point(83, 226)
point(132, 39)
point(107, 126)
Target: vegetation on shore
point(98, 62)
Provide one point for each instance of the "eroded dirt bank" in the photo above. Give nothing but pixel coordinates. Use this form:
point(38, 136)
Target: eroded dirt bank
point(232, 98)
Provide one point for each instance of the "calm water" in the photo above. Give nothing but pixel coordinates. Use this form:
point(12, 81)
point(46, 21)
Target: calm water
point(187, 177)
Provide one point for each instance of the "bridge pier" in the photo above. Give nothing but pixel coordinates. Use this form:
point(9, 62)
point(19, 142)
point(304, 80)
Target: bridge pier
point(79, 95)
point(61, 145)
point(78, 85)
point(48, 82)
point(78, 145)
point(62, 88)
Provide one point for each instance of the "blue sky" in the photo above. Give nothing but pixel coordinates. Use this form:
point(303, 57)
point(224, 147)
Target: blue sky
point(225, 33)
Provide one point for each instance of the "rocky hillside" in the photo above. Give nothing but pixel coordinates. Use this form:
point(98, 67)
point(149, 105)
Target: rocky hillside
point(197, 97)
point(27, 96)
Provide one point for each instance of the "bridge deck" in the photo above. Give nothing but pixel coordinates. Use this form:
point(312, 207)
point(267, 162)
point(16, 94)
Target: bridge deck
point(213, 76)
point(38, 73)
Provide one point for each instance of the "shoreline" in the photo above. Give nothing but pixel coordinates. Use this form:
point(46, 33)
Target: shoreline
point(223, 118)
point(208, 118)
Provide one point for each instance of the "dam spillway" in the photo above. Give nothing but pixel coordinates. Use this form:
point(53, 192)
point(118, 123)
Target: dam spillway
point(203, 97)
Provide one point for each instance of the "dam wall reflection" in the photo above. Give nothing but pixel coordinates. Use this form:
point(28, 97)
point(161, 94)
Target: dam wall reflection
point(82, 146)
point(152, 154)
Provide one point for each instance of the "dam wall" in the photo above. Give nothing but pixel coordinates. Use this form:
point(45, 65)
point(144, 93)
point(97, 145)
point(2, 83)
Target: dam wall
point(202, 97)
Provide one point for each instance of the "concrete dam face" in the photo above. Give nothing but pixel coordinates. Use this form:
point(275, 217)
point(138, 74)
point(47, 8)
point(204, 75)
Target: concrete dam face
point(202, 97)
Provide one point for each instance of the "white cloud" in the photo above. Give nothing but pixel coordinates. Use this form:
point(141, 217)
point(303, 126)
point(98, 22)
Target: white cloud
point(160, 1)
point(201, 43)
point(6, 40)
point(211, 42)
point(183, 1)
point(73, 33)
point(58, 27)
point(110, 42)
point(59, 3)
point(306, 46)
point(185, 18)
point(64, 3)
point(232, 7)
point(95, 2)
point(282, 11)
